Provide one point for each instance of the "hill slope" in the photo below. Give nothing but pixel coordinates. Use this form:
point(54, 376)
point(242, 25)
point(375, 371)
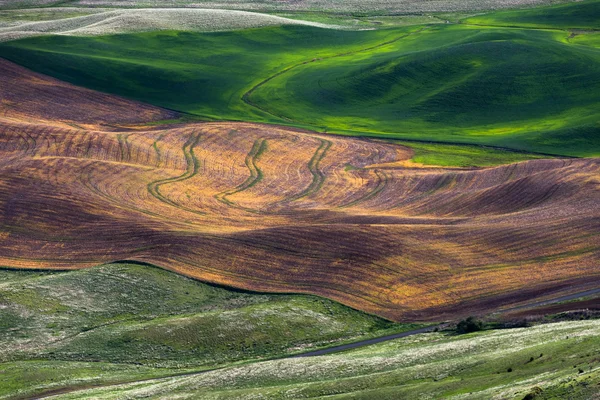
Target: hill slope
point(123, 322)
point(272, 209)
point(554, 361)
point(525, 89)
point(26, 96)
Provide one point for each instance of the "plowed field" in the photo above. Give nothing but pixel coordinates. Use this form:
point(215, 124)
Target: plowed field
point(280, 210)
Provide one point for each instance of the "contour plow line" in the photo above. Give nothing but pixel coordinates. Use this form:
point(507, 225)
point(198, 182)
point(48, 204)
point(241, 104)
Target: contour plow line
point(382, 179)
point(256, 175)
point(313, 167)
point(192, 167)
point(422, 243)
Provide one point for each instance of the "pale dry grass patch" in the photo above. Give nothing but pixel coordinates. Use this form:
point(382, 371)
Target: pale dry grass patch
point(147, 20)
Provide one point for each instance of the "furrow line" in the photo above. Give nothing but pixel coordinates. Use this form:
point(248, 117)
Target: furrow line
point(192, 167)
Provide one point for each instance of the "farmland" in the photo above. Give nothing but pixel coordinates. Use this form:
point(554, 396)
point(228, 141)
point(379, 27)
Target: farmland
point(105, 22)
point(328, 6)
point(272, 209)
point(445, 83)
point(299, 199)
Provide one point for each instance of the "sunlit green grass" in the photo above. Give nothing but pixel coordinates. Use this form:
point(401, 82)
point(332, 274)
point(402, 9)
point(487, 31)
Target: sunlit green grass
point(575, 15)
point(205, 74)
point(530, 90)
point(526, 90)
point(447, 155)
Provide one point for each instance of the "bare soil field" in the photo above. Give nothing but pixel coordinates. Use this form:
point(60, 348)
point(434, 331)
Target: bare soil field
point(31, 97)
point(274, 209)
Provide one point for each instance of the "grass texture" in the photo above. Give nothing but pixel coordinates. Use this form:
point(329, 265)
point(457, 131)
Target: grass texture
point(552, 361)
point(89, 325)
point(578, 15)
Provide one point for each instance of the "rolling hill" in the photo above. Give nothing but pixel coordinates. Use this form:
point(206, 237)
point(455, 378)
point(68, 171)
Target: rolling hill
point(521, 88)
point(554, 361)
point(24, 97)
point(280, 210)
point(299, 199)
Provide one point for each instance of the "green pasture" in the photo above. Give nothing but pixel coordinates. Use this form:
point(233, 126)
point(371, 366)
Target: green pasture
point(553, 361)
point(92, 323)
point(573, 15)
point(520, 89)
point(202, 74)
point(160, 335)
point(532, 90)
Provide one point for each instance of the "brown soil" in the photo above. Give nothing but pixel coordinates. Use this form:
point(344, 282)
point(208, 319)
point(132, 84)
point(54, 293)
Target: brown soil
point(34, 97)
point(274, 209)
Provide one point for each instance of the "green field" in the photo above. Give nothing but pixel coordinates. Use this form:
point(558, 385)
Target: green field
point(205, 74)
point(160, 334)
point(553, 361)
point(449, 155)
point(527, 89)
point(122, 321)
point(579, 15)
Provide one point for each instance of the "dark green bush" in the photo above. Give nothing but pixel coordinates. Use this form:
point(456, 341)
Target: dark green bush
point(469, 325)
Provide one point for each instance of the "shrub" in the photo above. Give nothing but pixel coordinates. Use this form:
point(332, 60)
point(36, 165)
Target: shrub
point(469, 325)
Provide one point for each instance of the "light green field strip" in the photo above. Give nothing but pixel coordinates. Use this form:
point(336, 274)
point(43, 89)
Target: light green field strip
point(192, 167)
point(313, 167)
point(256, 175)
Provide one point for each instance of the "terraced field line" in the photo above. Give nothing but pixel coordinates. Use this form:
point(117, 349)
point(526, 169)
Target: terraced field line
point(382, 179)
point(124, 146)
point(87, 182)
point(192, 167)
point(157, 150)
point(256, 175)
point(313, 167)
point(246, 96)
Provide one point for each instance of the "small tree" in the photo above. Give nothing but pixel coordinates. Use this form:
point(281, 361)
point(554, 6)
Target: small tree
point(469, 325)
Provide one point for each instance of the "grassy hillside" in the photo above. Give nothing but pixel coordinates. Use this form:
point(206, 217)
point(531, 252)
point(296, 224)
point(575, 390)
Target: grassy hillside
point(122, 321)
point(205, 74)
point(524, 89)
point(578, 15)
point(554, 361)
point(520, 89)
point(137, 313)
